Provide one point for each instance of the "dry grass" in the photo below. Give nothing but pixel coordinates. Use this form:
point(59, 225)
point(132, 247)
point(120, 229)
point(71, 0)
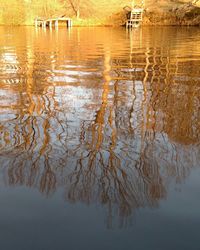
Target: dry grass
point(93, 12)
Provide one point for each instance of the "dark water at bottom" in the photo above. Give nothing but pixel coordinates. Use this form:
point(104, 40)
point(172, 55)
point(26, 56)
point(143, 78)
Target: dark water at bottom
point(28, 221)
point(99, 138)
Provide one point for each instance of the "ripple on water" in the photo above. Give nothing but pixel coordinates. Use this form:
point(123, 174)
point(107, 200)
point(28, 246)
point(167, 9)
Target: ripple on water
point(109, 116)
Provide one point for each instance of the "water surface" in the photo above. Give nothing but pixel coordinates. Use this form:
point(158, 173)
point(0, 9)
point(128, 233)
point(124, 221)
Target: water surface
point(100, 138)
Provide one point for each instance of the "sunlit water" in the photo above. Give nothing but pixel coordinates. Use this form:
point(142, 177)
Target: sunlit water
point(100, 138)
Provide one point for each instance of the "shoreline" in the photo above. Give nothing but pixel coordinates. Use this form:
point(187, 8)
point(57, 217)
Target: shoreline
point(107, 26)
point(183, 16)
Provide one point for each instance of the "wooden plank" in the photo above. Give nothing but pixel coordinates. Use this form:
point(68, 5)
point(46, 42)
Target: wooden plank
point(44, 22)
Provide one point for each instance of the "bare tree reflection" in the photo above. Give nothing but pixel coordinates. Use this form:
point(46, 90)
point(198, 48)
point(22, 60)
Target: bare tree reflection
point(119, 143)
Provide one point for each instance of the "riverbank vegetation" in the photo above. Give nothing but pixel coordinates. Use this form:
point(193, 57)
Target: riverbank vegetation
point(91, 12)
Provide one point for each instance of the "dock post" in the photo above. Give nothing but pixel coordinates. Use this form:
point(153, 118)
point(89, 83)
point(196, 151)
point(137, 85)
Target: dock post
point(44, 24)
point(36, 24)
point(56, 23)
point(70, 22)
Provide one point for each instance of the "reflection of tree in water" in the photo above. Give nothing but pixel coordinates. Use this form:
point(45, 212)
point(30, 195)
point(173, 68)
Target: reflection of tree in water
point(121, 152)
point(26, 138)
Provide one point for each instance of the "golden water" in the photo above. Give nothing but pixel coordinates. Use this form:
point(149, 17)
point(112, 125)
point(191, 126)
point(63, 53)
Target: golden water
point(106, 116)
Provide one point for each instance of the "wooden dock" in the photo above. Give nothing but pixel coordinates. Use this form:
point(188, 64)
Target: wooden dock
point(52, 22)
point(134, 18)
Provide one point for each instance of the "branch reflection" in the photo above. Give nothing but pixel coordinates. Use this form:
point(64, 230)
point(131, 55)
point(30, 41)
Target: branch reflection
point(105, 123)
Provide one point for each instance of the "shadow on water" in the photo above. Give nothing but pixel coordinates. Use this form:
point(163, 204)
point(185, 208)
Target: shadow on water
point(110, 117)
